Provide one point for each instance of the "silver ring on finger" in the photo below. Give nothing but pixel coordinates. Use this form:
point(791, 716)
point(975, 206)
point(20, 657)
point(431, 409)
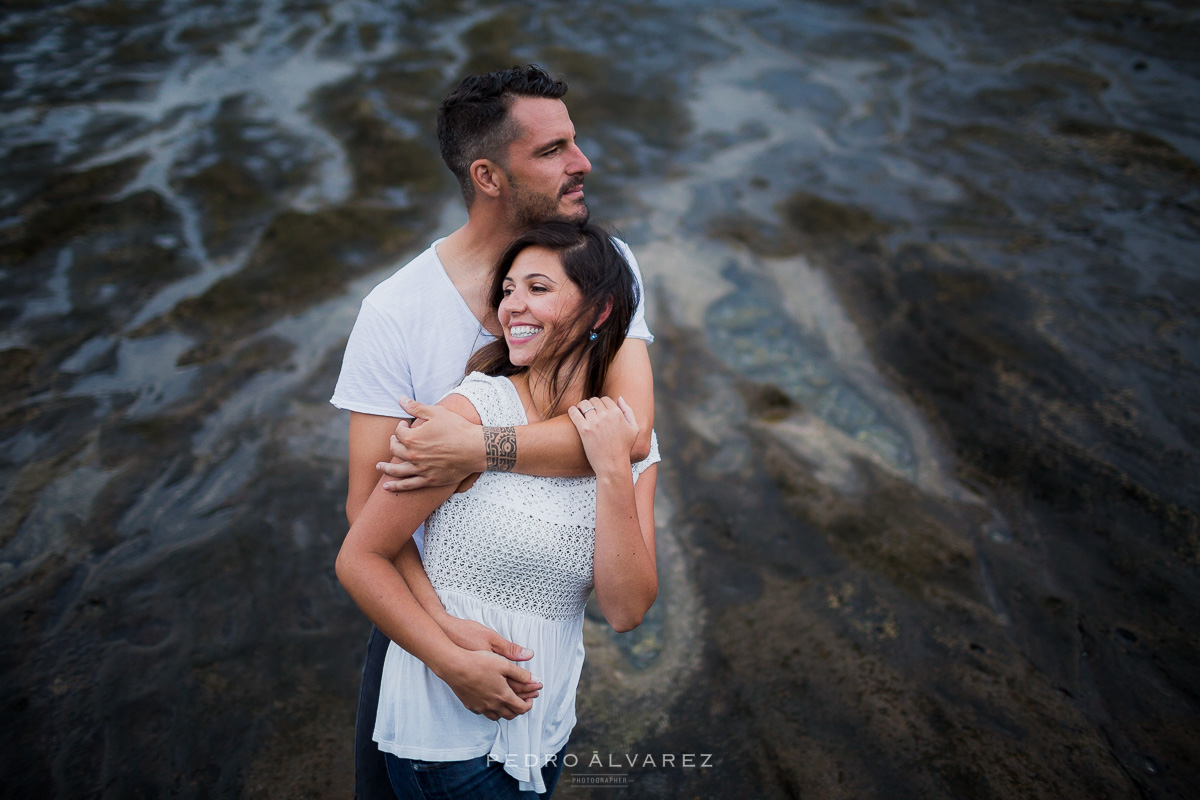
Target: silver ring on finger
point(589, 408)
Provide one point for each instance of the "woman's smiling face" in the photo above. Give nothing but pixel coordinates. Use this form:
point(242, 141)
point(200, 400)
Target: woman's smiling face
point(538, 298)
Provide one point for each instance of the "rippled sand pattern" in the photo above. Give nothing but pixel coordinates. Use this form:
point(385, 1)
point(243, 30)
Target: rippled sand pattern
point(923, 277)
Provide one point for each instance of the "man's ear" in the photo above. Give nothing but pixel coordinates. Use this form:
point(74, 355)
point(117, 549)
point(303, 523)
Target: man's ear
point(487, 177)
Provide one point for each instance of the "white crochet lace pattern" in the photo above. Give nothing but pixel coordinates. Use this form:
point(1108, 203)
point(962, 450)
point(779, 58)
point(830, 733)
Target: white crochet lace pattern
point(519, 542)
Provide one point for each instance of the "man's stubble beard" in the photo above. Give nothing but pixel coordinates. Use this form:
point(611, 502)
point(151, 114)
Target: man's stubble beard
point(529, 209)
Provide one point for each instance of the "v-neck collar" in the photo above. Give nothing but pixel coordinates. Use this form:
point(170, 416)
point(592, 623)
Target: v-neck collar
point(462, 301)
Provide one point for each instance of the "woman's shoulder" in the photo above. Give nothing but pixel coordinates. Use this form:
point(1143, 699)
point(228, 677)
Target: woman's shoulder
point(492, 386)
point(462, 405)
point(482, 379)
point(491, 399)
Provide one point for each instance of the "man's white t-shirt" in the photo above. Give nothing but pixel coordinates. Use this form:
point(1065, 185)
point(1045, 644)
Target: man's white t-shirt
point(414, 335)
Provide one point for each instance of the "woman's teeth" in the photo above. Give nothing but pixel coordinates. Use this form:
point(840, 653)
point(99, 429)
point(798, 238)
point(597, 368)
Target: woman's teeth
point(523, 331)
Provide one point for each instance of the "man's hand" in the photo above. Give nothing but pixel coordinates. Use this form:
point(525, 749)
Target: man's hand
point(439, 448)
point(471, 635)
point(481, 681)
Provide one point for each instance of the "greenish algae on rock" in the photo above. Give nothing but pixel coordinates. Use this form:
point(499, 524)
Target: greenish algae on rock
point(301, 258)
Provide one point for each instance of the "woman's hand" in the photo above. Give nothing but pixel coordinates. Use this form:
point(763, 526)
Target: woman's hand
point(608, 430)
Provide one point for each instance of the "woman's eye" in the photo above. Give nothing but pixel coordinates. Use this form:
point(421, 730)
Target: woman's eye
point(505, 292)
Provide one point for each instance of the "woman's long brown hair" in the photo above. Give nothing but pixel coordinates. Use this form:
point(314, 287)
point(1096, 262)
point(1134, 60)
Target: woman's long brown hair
point(593, 263)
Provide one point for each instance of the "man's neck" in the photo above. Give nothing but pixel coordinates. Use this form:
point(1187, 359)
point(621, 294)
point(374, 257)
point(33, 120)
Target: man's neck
point(468, 256)
point(474, 248)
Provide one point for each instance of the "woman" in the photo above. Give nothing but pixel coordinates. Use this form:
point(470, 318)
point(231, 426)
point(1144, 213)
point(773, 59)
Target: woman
point(519, 554)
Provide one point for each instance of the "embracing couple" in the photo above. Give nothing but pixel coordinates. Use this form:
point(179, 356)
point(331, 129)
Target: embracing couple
point(530, 482)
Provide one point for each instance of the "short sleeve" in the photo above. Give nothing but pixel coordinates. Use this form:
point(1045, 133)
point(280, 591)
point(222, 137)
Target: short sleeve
point(375, 369)
point(495, 399)
point(651, 459)
point(637, 326)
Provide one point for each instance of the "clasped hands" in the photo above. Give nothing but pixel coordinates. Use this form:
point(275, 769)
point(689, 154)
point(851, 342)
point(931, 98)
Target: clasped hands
point(483, 677)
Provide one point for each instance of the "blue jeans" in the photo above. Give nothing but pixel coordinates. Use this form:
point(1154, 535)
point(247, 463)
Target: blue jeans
point(371, 780)
point(473, 779)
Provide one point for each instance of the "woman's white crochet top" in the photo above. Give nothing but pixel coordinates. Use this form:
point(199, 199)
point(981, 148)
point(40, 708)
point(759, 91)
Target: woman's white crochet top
point(513, 552)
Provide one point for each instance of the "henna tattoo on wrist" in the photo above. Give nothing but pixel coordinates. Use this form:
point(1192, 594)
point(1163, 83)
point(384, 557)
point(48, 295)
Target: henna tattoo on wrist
point(500, 448)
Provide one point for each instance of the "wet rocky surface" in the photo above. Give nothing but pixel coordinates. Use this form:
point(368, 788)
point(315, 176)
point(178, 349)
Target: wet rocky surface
point(922, 277)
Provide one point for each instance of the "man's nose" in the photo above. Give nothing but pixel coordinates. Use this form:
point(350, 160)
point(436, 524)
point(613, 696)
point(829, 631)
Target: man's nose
point(580, 164)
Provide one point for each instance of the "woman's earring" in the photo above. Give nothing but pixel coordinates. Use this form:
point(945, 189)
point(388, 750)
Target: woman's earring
point(592, 337)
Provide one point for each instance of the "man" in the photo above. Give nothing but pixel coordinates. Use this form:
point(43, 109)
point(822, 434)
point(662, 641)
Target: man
point(509, 141)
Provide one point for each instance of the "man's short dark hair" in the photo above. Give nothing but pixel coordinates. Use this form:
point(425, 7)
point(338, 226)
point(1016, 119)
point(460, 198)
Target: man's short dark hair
point(473, 121)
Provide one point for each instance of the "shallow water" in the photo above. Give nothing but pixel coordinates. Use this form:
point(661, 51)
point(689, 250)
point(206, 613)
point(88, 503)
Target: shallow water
point(924, 286)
